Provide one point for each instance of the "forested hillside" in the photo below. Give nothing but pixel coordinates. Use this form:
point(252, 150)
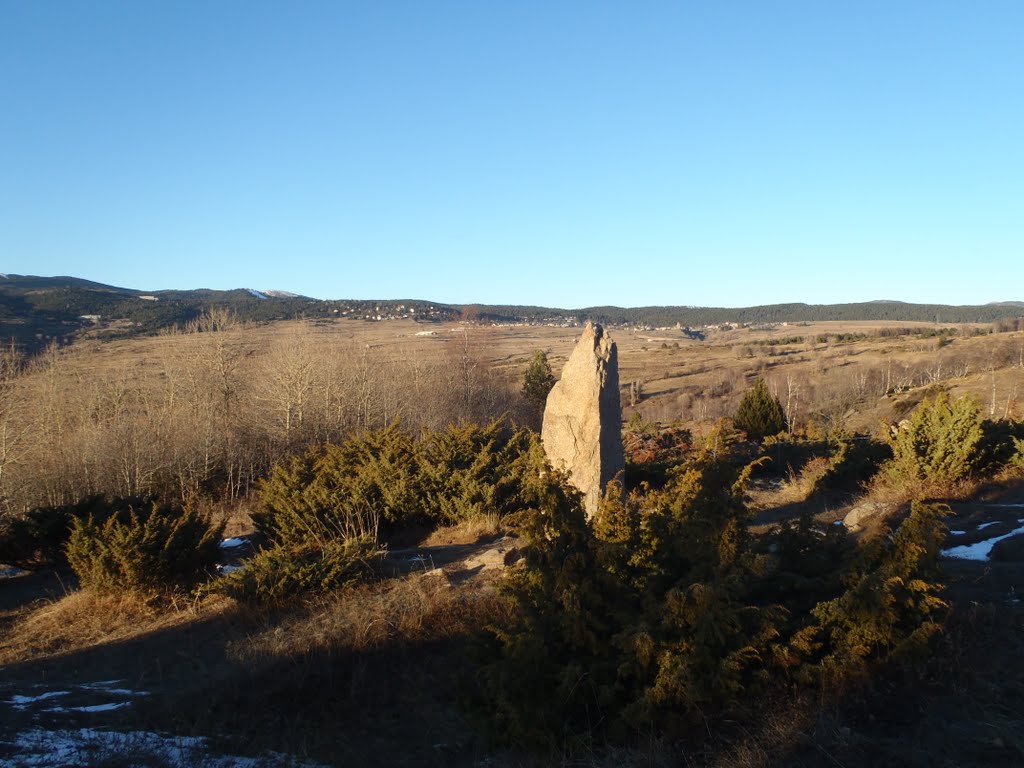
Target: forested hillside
point(35, 311)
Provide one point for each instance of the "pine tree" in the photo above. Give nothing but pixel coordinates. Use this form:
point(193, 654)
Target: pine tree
point(538, 379)
point(760, 414)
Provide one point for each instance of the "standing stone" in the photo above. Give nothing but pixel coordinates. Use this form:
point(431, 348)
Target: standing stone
point(582, 430)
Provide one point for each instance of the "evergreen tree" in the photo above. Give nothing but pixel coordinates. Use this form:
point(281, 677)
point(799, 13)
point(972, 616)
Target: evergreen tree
point(538, 379)
point(760, 414)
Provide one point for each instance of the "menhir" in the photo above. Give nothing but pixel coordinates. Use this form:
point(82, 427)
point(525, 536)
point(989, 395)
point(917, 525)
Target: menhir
point(582, 430)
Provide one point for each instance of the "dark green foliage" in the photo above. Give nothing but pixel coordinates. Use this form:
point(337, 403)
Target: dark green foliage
point(760, 413)
point(380, 481)
point(940, 441)
point(538, 379)
point(890, 606)
point(945, 443)
point(851, 463)
point(152, 548)
point(641, 620)
point(343, 491)
point(665, 613)
point(467, 471)
point(1017, 457)
point(38, 539)
point(806, 567)
point(1002, 444)
point(854, 462)
point(895, 311)
point(544, 685)
point(323, 513)
point(278, 574)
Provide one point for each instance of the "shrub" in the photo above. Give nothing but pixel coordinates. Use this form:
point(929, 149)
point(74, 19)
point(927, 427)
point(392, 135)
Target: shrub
point(941, 440)
point(891, 605)
point(277, 574)
point(39, 537)
point(643, 617)
point(853, 462)
point(468, 471)
point(146, 549)
point(760, 413)
point(381, 481)
point(1017, 459)
point(538, 379)
point(938, 447)
point(665, 612)
point(343, 491)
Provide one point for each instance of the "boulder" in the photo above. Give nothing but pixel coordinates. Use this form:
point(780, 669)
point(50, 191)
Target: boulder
point(582, 430)
point(859, 515)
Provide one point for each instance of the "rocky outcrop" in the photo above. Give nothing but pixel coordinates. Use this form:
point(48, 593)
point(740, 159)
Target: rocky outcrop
point(582, 431)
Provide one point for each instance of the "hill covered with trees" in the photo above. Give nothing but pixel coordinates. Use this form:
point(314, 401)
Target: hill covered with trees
point(35, 311)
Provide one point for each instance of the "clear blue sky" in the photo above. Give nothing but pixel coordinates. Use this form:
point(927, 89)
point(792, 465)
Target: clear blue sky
point(558, 153)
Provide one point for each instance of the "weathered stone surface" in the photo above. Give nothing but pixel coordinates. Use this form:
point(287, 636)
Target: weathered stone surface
point(582, 430)
point(859, 515)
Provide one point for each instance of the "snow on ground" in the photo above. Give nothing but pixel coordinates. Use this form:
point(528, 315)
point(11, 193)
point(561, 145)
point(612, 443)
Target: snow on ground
point(958, 533)
point(20, 702)
point(10, 572)
point(257, 294)
point(109, 707)
point(39, 748)
point(105, 687)
point(101, 683)
point(980, 550)
point(228, 568)
point(983, 526)
point(232, 543)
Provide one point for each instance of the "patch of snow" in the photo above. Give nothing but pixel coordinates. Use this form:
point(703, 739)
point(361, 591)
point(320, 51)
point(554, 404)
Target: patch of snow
point(981, 550)
point(53, 749)
point(231, 543)
point(257, 294)
point(109, 707)
point(101, 683)
point(228, 568)
point(983, 526)
point(10, 572)
point(282, 294)
point(1010, 506)
point(958, 533)
point(20, 702)
point(113, 691)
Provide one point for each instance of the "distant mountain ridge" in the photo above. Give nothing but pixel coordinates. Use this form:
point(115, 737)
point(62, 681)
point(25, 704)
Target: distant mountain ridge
point(35, 310)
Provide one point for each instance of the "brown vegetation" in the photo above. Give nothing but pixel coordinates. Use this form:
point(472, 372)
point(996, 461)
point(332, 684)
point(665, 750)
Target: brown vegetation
point(386, 667)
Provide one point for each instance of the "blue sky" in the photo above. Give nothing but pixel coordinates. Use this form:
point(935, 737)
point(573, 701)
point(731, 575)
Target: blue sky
point(558, 153)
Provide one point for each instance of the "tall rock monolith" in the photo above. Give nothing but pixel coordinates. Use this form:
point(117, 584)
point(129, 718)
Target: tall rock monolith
point(582, 430)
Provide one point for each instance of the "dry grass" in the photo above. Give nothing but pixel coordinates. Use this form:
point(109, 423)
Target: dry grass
point(417, 609)
point(84, 619)
point(479, 528)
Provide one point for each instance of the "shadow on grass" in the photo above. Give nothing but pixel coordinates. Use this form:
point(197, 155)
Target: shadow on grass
point(394, 704)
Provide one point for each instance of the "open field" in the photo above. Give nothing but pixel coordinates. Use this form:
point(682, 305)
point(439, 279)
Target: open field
point(865, 368)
